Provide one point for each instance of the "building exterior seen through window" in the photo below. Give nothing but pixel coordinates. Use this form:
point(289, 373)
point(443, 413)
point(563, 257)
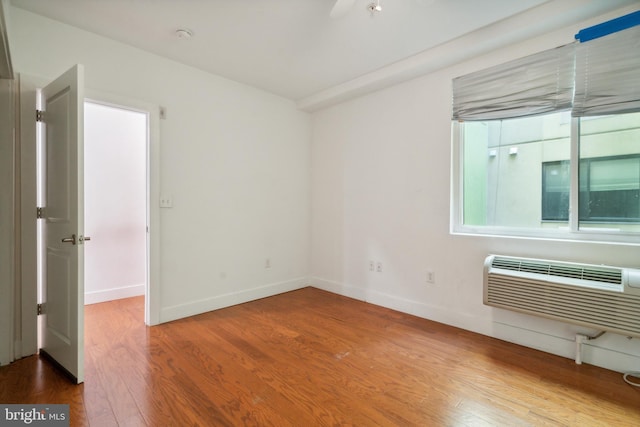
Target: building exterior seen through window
point(517, 172)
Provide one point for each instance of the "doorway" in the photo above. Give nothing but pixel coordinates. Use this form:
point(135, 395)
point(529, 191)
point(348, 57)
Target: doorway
point(115, 188)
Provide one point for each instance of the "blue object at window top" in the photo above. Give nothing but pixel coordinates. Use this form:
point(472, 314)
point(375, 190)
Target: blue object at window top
point(609, 27)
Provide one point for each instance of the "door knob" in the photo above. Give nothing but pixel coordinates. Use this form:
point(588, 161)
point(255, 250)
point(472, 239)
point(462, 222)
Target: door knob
point(71, 239)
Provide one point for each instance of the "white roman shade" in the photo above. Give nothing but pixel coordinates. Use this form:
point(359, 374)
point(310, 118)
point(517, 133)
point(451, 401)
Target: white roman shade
point(536, 84)
point(608, 75)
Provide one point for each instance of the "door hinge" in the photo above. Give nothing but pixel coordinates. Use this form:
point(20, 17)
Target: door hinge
point(40, 309)
point(39, 212)
point(39, 116)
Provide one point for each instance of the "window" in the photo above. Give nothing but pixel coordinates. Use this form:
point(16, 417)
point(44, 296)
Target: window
point(517, 172)
point(609, 190)
point(556, 182)
point(503, 162)
point(549, 145)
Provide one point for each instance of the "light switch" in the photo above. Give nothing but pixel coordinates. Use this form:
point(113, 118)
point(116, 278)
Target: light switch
point(166, 201)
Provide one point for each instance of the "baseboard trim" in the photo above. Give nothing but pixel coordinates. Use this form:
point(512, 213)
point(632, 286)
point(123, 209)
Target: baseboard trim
point(180, 311)
point(96, 297)
point(426, 311)
point(610, 352)
point(338, 288)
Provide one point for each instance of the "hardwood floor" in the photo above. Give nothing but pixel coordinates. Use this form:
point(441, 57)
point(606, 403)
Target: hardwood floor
point(312, 358)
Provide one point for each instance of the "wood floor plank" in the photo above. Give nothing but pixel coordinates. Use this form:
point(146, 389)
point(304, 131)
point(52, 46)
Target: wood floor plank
point(252, 380)
point(312, 358)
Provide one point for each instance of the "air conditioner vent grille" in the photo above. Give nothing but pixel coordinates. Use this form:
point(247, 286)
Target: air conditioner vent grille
point(585, 294)
point(591, 307)
point(559, 269)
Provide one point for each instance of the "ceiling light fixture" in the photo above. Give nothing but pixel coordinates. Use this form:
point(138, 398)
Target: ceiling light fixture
point(184, 34)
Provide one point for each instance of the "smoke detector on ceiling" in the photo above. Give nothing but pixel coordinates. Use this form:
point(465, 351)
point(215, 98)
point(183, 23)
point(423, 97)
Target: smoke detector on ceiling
point(184, 33)
point(342, 7)
point(375, 7)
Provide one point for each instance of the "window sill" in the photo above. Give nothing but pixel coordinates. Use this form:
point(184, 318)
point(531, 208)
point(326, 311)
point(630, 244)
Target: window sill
point(598, 236)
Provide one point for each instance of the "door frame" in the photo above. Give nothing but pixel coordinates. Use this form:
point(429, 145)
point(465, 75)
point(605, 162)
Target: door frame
point(26, 134)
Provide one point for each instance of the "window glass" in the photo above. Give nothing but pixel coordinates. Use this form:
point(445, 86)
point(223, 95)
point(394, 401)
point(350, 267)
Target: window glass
point(610, 172)
point(517, 173)
point(556, 182)
point(503, 162)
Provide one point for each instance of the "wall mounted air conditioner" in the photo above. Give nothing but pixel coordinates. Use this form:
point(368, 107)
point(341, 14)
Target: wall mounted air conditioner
point(598, 296)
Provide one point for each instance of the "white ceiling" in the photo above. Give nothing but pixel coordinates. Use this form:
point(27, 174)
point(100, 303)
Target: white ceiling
point(292, 48)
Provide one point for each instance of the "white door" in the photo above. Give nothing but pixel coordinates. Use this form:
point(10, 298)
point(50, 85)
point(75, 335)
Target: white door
point(63, 304)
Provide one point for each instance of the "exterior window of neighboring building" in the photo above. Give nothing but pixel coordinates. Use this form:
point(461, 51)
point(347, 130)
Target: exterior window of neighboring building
point(556, 182)
point(609, 190)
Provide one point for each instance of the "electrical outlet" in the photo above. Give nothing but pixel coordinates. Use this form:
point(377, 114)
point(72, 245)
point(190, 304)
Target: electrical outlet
point(372, 266)
point(267, 263)
point(379, 267)
point(431, 277)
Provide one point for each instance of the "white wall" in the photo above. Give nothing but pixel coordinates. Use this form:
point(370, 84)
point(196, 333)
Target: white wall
point(235, 160)
point(381, 167)
point(115, 152)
